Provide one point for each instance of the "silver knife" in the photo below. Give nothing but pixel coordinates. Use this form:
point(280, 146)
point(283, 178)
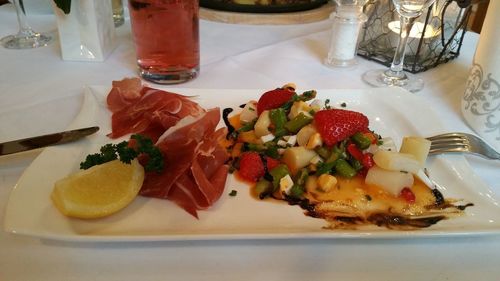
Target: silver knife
point(45, 140)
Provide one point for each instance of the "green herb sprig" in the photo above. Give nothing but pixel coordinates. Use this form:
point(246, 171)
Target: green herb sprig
point(126, 154)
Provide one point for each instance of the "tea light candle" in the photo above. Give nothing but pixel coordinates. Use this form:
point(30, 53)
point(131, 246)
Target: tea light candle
point(415, 36)
point(416, 31)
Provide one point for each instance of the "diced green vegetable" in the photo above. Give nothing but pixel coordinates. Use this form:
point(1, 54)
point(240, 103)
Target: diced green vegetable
point(324, 168)
point(263, 188)
point(322, 151)
point(338, 152)
point(247, 126)
point(301, 176)
point(278, 173)
point(278, 118)
point(355, 164)
point(298, 122)
point(254, 147)
point(296, 191)
point(361, 141)
point(272, 150)
point(344, 169)
point(307, 95)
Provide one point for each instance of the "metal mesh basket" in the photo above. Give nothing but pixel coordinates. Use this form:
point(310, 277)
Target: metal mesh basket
point(435, 38)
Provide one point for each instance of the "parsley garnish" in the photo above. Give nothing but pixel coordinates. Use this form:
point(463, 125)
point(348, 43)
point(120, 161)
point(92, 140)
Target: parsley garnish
point(126, 153)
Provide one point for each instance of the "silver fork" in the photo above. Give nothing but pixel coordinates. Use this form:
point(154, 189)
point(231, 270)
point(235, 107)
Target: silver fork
point(462, 142)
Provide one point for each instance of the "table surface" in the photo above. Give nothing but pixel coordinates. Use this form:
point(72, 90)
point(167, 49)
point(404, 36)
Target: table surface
point(41, 93)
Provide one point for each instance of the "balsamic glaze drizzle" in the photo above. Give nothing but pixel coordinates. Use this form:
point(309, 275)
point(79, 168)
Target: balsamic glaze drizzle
point(225, 117)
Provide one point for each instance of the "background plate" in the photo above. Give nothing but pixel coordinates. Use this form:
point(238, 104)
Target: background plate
point(242, 8)
point(392, 112)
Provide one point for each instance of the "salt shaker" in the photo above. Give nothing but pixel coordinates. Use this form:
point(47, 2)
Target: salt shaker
point(347, 22)
point(481, 99)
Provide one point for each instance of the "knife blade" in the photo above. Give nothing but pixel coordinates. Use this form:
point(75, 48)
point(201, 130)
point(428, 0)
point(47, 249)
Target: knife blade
point(26, 144)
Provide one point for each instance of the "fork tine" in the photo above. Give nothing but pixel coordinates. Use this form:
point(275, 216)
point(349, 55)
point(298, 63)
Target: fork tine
point(442, 149)
point(461, 142)
point(446, 145)
point(448, 137)
point(450, 141)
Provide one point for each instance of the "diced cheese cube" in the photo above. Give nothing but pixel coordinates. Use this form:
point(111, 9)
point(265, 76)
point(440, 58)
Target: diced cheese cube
point(292, 140)
point(282, 143)
point(267, 138)
point(316, 160)
point(286, 184)
point(326, 182)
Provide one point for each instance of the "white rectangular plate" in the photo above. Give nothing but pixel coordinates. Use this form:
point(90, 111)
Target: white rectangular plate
point(392, 112)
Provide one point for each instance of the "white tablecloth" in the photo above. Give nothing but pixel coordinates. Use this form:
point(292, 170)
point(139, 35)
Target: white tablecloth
point(40, 93)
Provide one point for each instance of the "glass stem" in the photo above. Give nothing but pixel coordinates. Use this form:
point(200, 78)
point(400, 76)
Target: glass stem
point(406, 24)
point(24, 28)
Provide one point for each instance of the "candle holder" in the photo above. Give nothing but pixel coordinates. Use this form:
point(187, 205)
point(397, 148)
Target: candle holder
point(435, 38)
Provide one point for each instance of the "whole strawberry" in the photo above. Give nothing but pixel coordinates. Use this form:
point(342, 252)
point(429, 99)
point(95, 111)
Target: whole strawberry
point(336, 125)
point(251, 166)
point(273, 99)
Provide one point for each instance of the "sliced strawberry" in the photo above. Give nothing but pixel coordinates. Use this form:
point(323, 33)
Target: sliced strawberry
point(251, 166)
point(336, 125)
point(273, 99)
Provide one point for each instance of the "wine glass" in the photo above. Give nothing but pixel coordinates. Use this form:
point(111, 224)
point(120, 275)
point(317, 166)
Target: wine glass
point(26, 38)
point(409, 11)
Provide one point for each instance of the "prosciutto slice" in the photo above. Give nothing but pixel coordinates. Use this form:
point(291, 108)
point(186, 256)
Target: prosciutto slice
point(144, 110)
point(195, 172)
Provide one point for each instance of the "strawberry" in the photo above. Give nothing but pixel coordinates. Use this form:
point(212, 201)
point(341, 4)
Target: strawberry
point(251, 166)
point(273, 99)
point(336, 125)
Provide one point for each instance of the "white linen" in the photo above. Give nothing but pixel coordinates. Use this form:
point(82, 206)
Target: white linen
point(40, 93)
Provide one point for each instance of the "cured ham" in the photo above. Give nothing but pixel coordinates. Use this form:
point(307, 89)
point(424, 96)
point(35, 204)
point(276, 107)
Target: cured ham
point(195, 172)
point(144, 110)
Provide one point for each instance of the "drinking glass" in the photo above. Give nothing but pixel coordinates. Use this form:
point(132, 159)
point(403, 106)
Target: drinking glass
point(26, 38)
point(409, 11)
point(166, 36)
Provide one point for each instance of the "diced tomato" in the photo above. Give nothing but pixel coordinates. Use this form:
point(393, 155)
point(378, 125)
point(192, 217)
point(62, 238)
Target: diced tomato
point(272, 163)
point(251, 166)
point(355, 152)
point(408, 195)
point(367, 160)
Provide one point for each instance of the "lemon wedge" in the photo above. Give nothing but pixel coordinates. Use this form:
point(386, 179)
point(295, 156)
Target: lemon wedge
point(99, 191)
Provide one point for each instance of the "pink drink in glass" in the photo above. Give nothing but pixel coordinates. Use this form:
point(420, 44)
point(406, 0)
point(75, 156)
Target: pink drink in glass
point(166, 39)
